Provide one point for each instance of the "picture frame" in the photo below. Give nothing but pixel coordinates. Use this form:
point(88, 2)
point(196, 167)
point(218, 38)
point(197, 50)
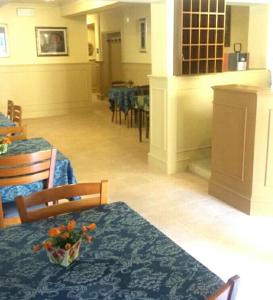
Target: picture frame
point(4, 48)
point(142, 35)
point(51, 41)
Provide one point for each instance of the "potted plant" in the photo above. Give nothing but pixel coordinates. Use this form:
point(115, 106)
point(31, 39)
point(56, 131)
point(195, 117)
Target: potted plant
point(63, 243)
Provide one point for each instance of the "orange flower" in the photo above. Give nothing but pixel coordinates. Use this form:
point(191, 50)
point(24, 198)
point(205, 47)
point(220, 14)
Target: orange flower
point(92, 226)
point(36, 248)
point(54, 231)
point(71, 225)
point(48, 245)
point(67, 246)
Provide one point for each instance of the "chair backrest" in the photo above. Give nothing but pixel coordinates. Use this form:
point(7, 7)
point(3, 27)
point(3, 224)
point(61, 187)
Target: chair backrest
point(10, 109)
point(17, 114)
point(14, 133)
point(62, 192)
point(26, 168)
point(119, 83)
point(228, 291)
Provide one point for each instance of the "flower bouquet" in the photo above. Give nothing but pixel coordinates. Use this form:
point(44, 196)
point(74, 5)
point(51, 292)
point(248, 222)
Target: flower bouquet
point(64, 242)
point(4, 141)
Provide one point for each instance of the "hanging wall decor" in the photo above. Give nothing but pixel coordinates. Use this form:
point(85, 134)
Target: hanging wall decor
point(4, 51)
point(51, 41)
point(142, 35)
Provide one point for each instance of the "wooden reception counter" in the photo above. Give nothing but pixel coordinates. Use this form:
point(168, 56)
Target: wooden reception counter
point(242, 148)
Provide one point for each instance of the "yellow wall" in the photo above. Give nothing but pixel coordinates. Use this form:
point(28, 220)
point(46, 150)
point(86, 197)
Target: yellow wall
point(136, 65)
point(239, 27)
point(44, 85)
point(130, 34)
point(21, 32)
point(258, 35)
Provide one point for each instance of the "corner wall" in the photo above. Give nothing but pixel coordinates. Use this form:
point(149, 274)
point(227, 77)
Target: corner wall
point(44, 86)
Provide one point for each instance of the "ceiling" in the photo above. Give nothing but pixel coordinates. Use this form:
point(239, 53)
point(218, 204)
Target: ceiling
point(59, 2)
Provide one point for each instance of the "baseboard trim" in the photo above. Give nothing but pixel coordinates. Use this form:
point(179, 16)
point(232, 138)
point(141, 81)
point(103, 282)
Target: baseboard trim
point(229, 196)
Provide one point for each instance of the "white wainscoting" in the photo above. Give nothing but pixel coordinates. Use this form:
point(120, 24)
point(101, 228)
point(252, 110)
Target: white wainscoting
point(46, 89)
point(181, 115)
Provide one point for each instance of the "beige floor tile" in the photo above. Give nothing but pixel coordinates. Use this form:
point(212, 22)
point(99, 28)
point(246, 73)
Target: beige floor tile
point(224, 239)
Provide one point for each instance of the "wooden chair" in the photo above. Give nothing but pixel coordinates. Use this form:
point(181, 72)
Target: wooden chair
point(17, 114)
point(58, 193)
point(10, 109)
point(116, 108)
point(228, 291)
point(14, 133)
point(26, 168)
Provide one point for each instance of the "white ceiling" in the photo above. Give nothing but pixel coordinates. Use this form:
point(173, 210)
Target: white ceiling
point(37, 1)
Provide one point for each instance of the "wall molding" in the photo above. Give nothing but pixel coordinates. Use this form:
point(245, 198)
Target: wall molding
point(47, 90)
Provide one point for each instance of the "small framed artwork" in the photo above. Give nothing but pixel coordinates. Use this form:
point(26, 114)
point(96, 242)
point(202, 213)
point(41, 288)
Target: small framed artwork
point(4, 50)
point(142, 35)
point(51, 41)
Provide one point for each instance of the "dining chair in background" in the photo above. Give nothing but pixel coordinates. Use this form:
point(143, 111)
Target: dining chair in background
point(10, 109)
point(14, 133)
point(98, 192)
point(23, 169)
point(17, 114)
point(116, 107)
point(228, 291)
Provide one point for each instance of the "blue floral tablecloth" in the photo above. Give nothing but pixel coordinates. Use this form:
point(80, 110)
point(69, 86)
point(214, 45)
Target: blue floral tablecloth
point(63, 170)
point(5, 121)
point(122, 97)
point(128, 259)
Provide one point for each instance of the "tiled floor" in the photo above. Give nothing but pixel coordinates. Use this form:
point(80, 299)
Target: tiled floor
point(224, 239)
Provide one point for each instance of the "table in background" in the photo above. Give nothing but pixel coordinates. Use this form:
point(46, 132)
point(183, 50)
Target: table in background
point(5, 121)
point(63, 170)
point(128, 259)
point(122, 97)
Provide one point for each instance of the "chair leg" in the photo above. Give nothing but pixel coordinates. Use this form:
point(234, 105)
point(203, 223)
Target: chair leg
point(140, 124)
point(147, 124)
point(113, 114)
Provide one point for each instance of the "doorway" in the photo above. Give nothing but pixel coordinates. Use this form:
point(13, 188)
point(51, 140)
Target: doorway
point(112, 64)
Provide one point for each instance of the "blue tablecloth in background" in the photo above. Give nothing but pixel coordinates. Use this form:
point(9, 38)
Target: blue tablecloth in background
point(129, 259)
point(5, 121)
point(63, 170)
point(122, 97)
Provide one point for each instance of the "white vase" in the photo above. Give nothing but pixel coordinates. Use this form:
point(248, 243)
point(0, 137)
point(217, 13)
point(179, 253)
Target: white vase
point(64, 257)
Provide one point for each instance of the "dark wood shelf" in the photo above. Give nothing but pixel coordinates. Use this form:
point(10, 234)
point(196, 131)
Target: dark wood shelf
point(202, 24)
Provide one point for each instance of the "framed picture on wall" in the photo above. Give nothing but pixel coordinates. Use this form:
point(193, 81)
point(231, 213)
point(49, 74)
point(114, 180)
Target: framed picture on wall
point(142, 35)
point(51, 41)
point(4, 50)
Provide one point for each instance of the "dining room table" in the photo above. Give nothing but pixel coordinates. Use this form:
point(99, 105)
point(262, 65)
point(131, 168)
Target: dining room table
point(128, 259)
point(5, 121)
point(122, 97)
point(64, 173)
